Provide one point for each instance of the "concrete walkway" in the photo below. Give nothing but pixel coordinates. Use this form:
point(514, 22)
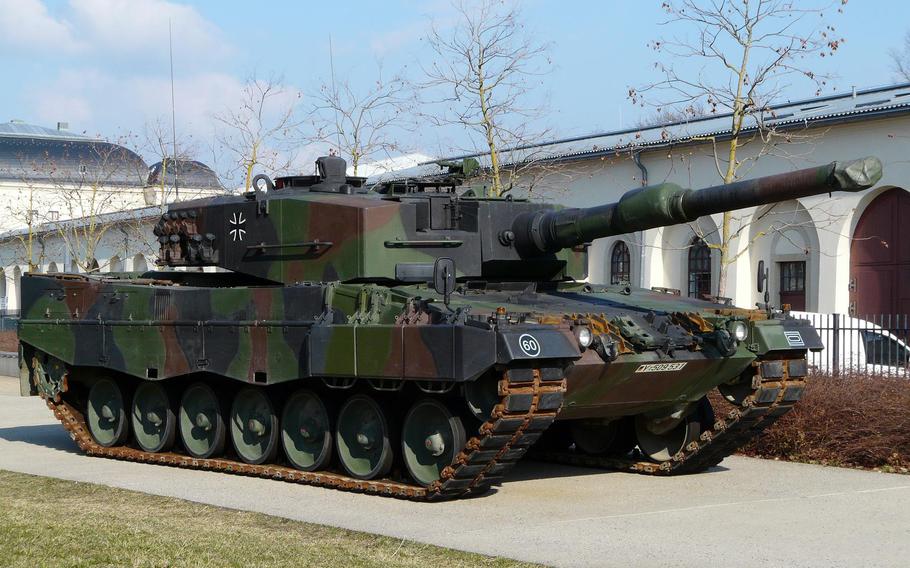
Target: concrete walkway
point(747, 512)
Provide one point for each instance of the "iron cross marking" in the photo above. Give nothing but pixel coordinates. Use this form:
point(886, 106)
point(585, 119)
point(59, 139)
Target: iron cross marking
point(237, 222)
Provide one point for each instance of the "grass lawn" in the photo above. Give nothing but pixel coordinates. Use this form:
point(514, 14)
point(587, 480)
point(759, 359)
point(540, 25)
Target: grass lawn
point(50, 522)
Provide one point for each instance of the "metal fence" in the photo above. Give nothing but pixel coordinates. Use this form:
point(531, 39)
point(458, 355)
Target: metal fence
point(8, 319)
point(875, 345)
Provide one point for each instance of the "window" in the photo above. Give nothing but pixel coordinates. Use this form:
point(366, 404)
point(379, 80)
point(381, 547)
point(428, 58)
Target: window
point(792, 277)
point(699, 269)
point(53, 215)
point(620, 267)
point(881, 350)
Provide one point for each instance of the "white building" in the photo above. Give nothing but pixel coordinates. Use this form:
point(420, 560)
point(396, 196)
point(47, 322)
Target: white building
point(845, 253)
point(386, 165)
point(83, 203)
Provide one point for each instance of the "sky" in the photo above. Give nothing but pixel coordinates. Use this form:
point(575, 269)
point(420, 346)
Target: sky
point(102, 65)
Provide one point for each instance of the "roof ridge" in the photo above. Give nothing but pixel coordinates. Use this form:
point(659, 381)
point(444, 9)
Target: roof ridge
point(826, 108)
point(22, 129)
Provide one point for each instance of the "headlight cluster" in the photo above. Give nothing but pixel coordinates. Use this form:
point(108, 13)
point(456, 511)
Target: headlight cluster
point(584, 336)
point(739, 330)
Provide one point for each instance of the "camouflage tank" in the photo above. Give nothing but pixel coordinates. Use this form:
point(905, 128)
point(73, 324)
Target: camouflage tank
point(410, 340)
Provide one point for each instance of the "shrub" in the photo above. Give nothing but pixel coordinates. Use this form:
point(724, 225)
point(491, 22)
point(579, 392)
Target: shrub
point(854, 421)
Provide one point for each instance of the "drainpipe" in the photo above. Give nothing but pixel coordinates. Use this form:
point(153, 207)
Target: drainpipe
point(636, 157)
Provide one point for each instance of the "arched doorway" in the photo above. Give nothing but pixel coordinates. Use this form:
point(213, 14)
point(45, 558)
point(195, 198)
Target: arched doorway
point(620, 264)
point(699, 269)
point(880, 257)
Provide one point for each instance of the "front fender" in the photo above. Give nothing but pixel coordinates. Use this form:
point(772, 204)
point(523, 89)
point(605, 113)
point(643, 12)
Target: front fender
point(536, 342)
point(786, 334)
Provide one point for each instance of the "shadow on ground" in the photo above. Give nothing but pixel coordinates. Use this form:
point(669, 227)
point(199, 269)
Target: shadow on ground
point(48, 435)
point(53, 436)
point(531, 468)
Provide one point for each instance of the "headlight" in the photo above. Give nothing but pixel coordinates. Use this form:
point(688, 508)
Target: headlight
point(738, 330)
point(584, 335)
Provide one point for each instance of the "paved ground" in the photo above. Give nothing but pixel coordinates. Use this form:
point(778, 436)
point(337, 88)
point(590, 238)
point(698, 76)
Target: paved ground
point(746, 513)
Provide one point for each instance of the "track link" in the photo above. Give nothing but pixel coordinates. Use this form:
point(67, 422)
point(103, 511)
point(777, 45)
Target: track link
point(770, 399)
point(529, 402)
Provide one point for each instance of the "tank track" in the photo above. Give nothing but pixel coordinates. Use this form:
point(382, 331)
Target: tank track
point(770, 399)
point(528, 404)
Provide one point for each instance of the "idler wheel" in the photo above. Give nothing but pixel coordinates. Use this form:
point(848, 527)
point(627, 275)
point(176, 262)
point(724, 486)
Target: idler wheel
point(254, 426)
point(306, 431)
point(431, 438)
point(362, 438)
point(106, 414)
point(482, 396)
point(153, 420)
point(201, 422)
point(663, 445)
point(599, 437)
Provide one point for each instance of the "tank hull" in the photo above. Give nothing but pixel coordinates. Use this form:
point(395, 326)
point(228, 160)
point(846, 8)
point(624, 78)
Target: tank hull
point(499, 372)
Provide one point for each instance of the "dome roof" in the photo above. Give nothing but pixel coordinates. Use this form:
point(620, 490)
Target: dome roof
point(36, 153)
point(189, 173)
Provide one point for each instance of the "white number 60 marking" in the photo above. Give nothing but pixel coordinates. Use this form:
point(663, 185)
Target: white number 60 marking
point(529, 345)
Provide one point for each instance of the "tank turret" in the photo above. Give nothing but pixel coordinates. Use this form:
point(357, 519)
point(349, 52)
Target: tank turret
point(329, 227)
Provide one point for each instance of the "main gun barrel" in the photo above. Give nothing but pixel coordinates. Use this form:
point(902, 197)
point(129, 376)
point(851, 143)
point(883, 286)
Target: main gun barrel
point(669, 204)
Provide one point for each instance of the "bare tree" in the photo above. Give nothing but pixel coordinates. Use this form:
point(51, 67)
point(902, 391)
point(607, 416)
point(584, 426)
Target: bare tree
point(157, 142)
point(25, 215)
point(361, 123)
point(669, 115)
point(95, 196)
point(739, 62)
point(484, 69)
point(263, 130)
point(900, 60)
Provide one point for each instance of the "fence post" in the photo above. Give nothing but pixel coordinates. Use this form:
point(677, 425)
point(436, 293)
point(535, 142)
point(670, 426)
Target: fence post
point(835, 345)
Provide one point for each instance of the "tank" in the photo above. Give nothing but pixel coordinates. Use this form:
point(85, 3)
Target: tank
point(411, 339)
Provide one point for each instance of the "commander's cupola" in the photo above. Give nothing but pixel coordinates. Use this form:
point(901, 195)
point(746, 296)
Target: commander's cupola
point(331, 177)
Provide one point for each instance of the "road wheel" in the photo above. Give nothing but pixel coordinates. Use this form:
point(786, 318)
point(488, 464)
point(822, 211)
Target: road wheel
point(662, 446)
point(431, 438)
point(306, 431)
point(106, 414)
point(153, 420)
point(362, 438)
point(254, 426)
point(201, 422)
point(598, 438)
point(556, 438)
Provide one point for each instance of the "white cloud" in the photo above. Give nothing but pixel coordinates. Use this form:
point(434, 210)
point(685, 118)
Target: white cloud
point(102, 102)
point(27, 25)
point(390, 41)
point(129, 27)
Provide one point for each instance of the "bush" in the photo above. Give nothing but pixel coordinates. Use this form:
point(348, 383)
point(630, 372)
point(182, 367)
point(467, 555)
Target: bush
point(853, 421)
